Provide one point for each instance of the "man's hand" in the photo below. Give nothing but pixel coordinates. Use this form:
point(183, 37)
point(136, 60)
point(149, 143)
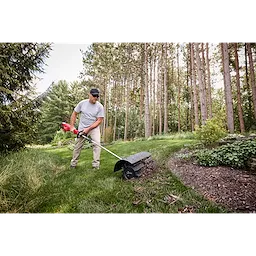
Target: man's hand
point(93, 126)
point(86, 130)
point(72, 128)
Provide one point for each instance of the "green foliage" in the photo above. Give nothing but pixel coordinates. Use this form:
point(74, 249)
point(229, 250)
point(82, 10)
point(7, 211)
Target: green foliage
point(212, 131)
point(135, 123)
point(235, 155)
point(57, 106)
point(55, 109)
point(19, 63)
point(207, 158)
point(79, 91)
point(63, 138)
point(17, 124)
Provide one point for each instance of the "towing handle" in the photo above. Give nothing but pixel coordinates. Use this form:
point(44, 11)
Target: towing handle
point(66, 128)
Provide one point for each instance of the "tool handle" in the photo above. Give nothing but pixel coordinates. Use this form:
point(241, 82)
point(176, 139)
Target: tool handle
point(66, 128)
point(81, 134)
point(120, 158)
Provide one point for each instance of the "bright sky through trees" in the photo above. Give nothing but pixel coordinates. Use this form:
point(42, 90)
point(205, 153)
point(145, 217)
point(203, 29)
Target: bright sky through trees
point(64, 63)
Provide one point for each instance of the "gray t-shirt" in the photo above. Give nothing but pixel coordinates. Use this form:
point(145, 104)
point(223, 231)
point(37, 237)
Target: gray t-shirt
point(89, 113)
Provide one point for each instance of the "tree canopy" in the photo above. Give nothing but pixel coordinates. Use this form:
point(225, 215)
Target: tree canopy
point(19, 65)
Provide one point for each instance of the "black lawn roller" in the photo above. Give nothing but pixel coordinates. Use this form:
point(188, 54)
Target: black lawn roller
point(131, 166)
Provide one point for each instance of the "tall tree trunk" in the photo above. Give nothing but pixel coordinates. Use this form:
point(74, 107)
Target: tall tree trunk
point(225, 87)
point(159, 94)
point(195, 95)
point(165, 91)
point(191, 89)
point(126, 86)
point(209, 89)
point(178, 81)
point(239, 99)
point(227, 84)
point(151, 90)
point(142, 83)
point(249, 96)
point(188, 88)
point(202, 93)
point(252, 78)
point(147, 113)
point(115, 108)
point(153, 96)
point(105, 110)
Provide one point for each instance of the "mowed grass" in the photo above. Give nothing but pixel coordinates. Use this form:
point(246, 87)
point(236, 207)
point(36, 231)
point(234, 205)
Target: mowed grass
point(85, 190)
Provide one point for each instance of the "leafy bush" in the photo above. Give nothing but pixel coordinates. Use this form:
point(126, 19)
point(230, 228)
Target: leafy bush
point(235, 155)
point(231, 138)
point(211, 132)
point(62, 138)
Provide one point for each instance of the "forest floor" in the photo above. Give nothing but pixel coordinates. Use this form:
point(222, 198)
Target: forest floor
point(234, 189)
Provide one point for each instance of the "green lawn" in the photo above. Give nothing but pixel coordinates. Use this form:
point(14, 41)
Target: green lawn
point(85, 190)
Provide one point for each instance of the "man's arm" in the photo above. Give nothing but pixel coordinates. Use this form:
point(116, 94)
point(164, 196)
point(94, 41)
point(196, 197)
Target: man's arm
point(73, 121)
point(94, 125)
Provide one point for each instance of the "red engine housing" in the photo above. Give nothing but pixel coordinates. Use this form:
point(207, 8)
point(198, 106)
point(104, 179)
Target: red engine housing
point(66, 128)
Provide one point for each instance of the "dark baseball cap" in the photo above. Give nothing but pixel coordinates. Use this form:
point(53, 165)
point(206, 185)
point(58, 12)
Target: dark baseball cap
point(94, 92)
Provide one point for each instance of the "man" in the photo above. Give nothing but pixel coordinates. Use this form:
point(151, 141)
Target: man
point(91, 115)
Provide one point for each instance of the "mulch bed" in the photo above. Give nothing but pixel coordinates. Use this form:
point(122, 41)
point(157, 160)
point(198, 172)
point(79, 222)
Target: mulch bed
point(232, 188)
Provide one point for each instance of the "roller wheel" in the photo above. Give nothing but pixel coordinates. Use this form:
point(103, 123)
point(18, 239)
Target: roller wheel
point(128, 172)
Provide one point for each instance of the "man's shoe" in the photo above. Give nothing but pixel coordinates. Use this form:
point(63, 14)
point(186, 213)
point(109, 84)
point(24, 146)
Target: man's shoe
point(96, 167)
point(72, 167)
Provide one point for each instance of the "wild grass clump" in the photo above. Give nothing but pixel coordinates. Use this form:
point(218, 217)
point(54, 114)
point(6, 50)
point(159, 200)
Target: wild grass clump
point(22, 175)
point(63, 138)
point(175, 136)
